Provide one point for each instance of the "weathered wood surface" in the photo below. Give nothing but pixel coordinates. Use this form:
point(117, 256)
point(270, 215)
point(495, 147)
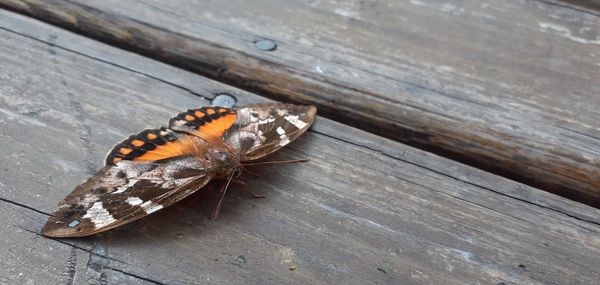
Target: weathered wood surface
point(509, 86)
point(589, 4)
point(365, 210)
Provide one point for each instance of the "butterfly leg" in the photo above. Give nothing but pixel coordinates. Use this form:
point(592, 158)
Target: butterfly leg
point(221, 193)
point(255, 174)
point(254, 194)
point(245, 188)
point(252, 173)
point(240, 182)
point(277, 162)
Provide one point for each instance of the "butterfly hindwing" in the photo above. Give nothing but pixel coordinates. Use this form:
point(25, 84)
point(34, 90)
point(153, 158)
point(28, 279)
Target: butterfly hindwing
point(125, 192)
point(264, 128)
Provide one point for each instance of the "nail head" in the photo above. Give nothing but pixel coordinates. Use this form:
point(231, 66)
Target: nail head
point(223, 100)
point(265, 45)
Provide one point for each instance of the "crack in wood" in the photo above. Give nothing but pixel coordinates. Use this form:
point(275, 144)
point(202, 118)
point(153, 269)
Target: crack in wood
point(97, 261)
point(54, 45)
point(71, 245)
point(97, 264)
point(72, 266)
point(24, 206)
point(147, 279)
point(458, 179)
point(584, 6)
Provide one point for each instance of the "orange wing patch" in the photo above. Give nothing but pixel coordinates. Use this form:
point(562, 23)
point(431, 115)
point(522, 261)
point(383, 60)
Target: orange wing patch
point(216, 128)
point(207, 123)
point(176, 148)
point(153, 144)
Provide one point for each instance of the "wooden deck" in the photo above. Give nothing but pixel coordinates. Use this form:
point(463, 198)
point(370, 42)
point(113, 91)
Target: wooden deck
point(367, 209)
point(509, 87)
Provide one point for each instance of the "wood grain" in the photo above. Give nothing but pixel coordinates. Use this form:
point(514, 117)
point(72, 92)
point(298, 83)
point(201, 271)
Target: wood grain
point(509, 87)
point(27, 258)
point(588, 4)
point(365, 210)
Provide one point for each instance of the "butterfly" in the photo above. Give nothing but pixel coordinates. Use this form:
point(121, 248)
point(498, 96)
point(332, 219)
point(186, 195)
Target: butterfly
point(158, 167)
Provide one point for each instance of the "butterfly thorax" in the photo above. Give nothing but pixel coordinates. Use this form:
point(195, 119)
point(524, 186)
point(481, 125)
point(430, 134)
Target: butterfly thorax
point(222, 160)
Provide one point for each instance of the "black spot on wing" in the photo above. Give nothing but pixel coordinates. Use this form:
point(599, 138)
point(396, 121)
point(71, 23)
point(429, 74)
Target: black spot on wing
point(194, 118)
point(146, 146)
point(100, 190)
point(74, 211)
point(138, 145)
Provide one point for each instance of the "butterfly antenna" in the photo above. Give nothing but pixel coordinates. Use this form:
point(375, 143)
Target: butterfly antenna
point(222, 192)
point(277, 162)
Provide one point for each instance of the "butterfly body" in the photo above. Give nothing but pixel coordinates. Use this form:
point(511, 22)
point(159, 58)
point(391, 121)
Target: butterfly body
point(158, 167)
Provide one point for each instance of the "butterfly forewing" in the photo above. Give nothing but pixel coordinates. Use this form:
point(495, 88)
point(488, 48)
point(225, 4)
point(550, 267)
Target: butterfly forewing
point(125, 192)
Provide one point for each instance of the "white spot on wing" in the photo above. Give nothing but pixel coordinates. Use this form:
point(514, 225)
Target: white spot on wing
point(179, 123)
point(134, 201)
point(293, 119)
point(282, 136)
point(124, 187)
point(150, 207)
point(284, 141)
point(98, 215)
point(73, 223)
point(265, 121)
point(176, 182)
point(153, 209)
point(88, 199)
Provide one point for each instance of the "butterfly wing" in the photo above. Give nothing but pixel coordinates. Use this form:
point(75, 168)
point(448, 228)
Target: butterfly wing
point(144, 173)
point(124, 192)
point(207, 123)
point(264, 128)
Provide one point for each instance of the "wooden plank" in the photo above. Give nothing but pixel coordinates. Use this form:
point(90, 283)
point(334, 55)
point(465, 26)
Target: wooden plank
point(365, 210)
point(507, 86)
point(588, 4)
point(27, 258)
